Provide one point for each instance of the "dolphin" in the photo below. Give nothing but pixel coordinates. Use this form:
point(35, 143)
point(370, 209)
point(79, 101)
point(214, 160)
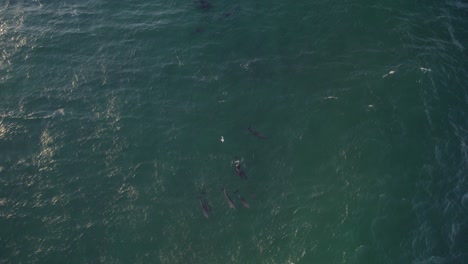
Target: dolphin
point(206, 208)
point(204, 5)
point(239, 171)
point(228, 199)
point(244, 202)
point(256, 133)
point(231, 11)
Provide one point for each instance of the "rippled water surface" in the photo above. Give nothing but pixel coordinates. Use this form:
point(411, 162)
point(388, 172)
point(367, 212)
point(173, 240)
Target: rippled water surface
point(111, 115)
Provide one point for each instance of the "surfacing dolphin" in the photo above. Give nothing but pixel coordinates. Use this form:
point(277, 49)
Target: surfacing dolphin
point(231, 11)
point(228, 199)
point(206, 208)
point(239, 170)
point(256, 133)
point(244, 202)
point(204, 5)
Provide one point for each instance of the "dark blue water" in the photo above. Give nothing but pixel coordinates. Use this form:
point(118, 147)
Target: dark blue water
point(112, 115)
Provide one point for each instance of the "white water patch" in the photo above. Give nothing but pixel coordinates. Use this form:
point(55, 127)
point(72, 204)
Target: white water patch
point(10, 25)
point(430, 95)
point(452, 36)
point(48, 146)
point(441, 201)
point(59, 112)
point(246, 63)
point(12, 37)
point(3, 130)
point(462, 135)
point(111, 144)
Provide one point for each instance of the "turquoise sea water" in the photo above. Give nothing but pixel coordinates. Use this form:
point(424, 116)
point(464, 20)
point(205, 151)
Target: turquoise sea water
point(112, 114)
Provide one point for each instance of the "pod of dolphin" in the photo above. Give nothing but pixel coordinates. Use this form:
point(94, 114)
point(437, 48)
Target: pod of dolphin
point(205, 5)
point(204, 204)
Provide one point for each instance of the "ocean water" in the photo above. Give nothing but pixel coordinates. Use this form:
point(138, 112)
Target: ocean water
point(111, 115)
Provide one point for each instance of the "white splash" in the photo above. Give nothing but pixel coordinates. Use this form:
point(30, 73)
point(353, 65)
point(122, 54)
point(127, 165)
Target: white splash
point(222, 139)
point(424, 70)
point(389, 73)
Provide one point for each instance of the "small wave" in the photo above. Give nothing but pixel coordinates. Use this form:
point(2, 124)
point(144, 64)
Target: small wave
point(464, 200)
point(459, 4)
point(432, 260)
